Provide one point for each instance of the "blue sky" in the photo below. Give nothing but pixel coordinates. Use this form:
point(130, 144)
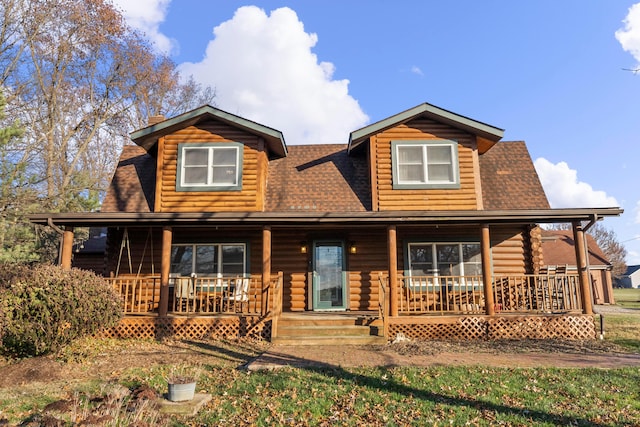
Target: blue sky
point(551, 73)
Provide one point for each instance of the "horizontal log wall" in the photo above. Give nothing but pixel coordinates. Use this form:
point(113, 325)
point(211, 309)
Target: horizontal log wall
point(467, 197)
point(508, 250)
point(286, 257)
point(134, 259)
point(364, 268)
point(254, 170)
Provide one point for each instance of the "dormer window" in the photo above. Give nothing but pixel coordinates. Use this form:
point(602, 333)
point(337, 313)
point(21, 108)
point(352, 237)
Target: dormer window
point(209, 167)
point(425, 164)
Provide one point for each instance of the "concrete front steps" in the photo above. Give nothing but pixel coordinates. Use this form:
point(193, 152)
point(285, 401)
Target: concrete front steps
point(328, 329)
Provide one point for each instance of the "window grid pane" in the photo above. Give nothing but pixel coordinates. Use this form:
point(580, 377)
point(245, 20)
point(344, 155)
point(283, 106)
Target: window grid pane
point(440, 164)
point(411, 164)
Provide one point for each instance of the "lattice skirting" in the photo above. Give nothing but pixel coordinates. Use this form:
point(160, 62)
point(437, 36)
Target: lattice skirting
point(573, 327)
point(190, 327)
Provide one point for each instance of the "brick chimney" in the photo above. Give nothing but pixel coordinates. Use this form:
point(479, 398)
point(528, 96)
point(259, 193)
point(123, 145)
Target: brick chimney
point(154, 120)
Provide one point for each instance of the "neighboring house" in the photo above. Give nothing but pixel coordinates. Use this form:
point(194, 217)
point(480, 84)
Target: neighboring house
point(631, 277)
point(559, 254)
point(424, 224)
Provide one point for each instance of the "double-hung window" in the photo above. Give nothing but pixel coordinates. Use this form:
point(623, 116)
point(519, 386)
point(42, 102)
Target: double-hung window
point(425, 164)
point(209, 167)
point(458, 264)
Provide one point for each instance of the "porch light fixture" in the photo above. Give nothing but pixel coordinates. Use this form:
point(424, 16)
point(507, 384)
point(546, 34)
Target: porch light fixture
point(303, 247)
point(353, 248)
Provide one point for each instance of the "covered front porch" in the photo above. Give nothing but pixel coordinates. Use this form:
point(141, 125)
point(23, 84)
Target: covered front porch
point(378, 277)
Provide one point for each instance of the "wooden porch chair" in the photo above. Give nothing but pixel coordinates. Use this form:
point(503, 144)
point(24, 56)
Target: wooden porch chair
point(184, 294)
point(239, 296)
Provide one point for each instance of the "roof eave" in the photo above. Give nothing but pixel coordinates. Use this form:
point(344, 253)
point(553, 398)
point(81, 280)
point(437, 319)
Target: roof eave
point(530, 216)
point(483, 130)
point(148, 136)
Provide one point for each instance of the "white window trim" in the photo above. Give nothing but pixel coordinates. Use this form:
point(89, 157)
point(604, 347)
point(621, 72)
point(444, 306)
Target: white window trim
point(210, 185)
point(399, 184)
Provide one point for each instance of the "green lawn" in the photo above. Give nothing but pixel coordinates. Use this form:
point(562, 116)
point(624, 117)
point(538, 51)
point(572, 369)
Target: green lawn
point(439, 396)
point(624, 328)
point(628, 298)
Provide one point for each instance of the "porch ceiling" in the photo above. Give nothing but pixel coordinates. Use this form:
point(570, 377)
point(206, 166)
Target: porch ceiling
point(329, 218)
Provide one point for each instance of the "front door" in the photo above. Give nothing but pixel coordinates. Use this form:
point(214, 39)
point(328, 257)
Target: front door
point(329, 284)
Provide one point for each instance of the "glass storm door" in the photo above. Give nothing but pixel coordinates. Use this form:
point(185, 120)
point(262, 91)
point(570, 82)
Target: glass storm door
point(329, 284)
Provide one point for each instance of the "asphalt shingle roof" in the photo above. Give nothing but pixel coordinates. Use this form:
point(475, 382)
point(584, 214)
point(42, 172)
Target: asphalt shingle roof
point(324, 178)
point(558, 249)
point(509, 180)
point(132, 187)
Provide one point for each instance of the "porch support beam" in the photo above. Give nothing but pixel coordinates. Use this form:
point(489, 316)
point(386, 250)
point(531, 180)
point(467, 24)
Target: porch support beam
point(392, 250)
point(67, 248)
point(165, 268)
point(485, 245)
point(266, 262)
point(581, 262)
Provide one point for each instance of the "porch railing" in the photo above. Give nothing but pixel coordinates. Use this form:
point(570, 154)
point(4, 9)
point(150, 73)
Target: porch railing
point(512, 294)
point(276, 285)
point(187, 295)
point(538, 293)
point(383, 303)
point(139, 294)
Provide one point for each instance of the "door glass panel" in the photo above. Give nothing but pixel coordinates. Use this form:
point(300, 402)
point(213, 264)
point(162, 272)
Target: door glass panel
point(328, 276)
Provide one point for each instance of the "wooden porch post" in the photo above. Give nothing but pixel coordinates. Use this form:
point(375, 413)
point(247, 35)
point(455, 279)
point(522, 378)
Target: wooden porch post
point(581, 262)
point(485, 244)
point(392, 245)
point(266, 263)
point(608, 285)
point(165, 268)
point(67, 248)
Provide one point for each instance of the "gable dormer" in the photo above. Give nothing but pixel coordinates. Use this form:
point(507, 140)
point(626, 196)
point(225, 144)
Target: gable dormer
point(425, 158)
point(209, 160)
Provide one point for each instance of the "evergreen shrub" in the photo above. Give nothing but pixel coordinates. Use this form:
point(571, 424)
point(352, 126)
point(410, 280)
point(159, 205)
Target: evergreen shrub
point(44, 308)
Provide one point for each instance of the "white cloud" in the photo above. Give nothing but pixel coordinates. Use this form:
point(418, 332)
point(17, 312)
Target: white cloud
point(146, 16)
point(263, 68)
point(629, 37)
point(637, 212)
point(563, 189)
point(416, 70)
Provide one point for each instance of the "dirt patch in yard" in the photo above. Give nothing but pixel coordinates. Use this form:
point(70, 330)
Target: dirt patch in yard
point(527, 353)
point(108, 361)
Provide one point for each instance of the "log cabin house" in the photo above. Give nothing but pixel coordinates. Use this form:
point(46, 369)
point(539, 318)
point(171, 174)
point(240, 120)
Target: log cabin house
point(424, 224)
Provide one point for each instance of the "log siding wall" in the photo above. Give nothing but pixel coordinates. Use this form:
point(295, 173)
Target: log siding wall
point(254, 170)
point(467, 197)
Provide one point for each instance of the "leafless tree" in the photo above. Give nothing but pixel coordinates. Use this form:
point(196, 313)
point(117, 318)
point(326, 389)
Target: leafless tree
point(79, 80)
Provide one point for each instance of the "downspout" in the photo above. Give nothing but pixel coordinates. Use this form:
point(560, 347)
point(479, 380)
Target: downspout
point(591, 223)
point(59, 231)
point(55, 227)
